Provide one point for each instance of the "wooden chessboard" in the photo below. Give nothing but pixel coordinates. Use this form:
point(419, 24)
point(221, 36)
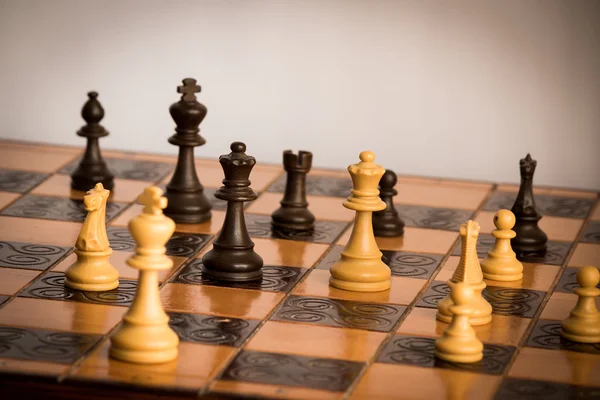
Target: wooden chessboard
point(291, 335)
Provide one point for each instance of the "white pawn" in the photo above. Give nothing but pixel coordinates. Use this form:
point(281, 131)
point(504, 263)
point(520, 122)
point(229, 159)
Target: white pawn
point(501, 264)
point(459, 343)
point(583, 325)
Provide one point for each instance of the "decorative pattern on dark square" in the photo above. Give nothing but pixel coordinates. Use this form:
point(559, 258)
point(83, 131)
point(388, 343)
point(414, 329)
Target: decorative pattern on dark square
point(546, 335)
point(43, 344)
point(19, 181)
point(524, 389)
point(568, 281)
point(180, 244)
point(555, 254)
point(30, 255)
point(139, 170)
point(210, 329)
point(275, 278)
point(554, 206)
point(504, 301)
point(317, 185)
point(259, 226)
point(411, 265)
point(56, 208)
point(591, 233)
point(340, 313)
point(293, 370)
point(52, 286)
point(402, 263)
point(432, 217)
point(419, 351)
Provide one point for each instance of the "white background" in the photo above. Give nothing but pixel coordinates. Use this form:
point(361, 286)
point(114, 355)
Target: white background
point(458, 89)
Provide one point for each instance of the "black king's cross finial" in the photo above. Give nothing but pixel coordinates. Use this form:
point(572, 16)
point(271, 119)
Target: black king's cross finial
point(188, 89)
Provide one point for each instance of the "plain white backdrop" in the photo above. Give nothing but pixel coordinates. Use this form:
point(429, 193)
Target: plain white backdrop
point(459, 89)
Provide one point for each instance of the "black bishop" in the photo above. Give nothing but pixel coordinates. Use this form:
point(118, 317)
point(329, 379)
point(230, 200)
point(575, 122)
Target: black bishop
point(92, 168)
point(530, 240)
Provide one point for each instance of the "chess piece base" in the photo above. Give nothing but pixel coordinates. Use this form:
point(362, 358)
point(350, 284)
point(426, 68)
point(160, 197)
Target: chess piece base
point(584, 330)
point(235, 265)
point(482, 310)
point(360, 275)
point(530, 239)
point(293, 219)
point(360, 286)
point(458, 358)
point(187, 207)
point(504, 269)
point(92, 272)
point(145, 344)
point(387, 227)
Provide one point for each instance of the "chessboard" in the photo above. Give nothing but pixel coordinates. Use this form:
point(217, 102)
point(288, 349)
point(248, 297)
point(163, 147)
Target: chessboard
point(290, 335)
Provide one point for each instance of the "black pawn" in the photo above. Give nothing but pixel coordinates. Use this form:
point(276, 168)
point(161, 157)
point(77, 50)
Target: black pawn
point(92, 168)
point(293, 215)
point(387, 222)
point(186, 200)
point(530, 239)
point(232, 257)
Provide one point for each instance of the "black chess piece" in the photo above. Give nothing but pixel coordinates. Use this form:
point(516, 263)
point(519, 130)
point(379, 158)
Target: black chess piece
point(232, 257)
point(92, 168)
point(293, 214)
point(186, 200)
point(530, 240)
point(387, 222)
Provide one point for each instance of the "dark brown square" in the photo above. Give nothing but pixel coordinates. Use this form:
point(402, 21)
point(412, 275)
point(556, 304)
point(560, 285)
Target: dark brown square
point(180, 244)
point(525, 389)
point(259, 226)
point(30, 255)
point(568, 281)
point(52, 286)
point(433, 217)
point(19, 181)
point(504, 301)
point(210, 329)
point(341, 313)
point(419, 351)
point(139, 170)
point(546, 335)
point(56, 208)
point(275, 278)
point(44, 345)
point(318, 185)
point(293, 370)
point(591, 234)
point(555, 206)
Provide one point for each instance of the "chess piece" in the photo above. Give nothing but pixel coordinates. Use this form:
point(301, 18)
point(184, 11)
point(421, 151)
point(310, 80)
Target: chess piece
point(530, 240)
point(459, 343)
point(501, 263)
point(92, 271)
point(469, 272)
point(145, 336)
point(387, 222)
point(293, 215)
point(583, 324)
point(186, 200)
point(232, 257)
point(360, 268)
point(92, 168)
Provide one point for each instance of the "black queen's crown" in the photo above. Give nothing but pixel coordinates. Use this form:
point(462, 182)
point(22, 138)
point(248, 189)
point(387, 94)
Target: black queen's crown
point(237, 166)
point(527, 166)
